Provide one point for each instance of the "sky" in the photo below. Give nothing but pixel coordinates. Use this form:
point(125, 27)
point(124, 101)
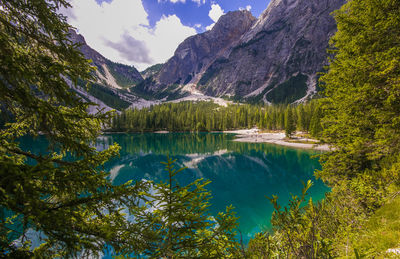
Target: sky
point(147, 32)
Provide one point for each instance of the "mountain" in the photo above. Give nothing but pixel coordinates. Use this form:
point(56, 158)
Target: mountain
point(279, 58)
point(151, 71)
point(196, 53)
point(110, 89)
point(108, 73)
point(275, 58)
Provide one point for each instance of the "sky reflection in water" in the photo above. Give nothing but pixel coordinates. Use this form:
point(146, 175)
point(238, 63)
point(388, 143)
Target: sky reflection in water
point(242, 174)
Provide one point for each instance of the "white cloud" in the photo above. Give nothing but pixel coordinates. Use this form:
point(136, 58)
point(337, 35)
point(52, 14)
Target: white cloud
point(209, 27)
point(215, 12)
point(172, 1)
point(120, 31)
point(199, 2)
point(167, 35)
point(248, 8)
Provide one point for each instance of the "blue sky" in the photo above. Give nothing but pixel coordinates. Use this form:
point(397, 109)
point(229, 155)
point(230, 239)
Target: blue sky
point(147, 32)
point(192, 13)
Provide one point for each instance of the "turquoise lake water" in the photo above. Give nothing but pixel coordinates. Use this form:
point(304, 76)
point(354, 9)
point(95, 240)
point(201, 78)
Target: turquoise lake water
point(242, 174)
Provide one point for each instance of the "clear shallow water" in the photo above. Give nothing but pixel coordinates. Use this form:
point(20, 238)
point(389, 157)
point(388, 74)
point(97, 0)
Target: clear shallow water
point(242, 174)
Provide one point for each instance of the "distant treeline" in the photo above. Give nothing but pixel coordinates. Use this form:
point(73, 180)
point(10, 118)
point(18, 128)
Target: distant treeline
point(191, 143)
point(208, 116)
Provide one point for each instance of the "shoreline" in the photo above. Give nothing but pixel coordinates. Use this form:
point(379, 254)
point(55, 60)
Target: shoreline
point(277, 138)
point(254, 136)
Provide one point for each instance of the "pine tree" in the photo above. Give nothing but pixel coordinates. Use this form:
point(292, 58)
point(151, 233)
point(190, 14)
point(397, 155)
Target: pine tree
point(181, 223)
point(290, 125)
point(68, 200)
point(362, 111)
point(301, 118)
point(315, 124)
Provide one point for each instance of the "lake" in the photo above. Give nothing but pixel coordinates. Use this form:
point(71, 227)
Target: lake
point(241, 174)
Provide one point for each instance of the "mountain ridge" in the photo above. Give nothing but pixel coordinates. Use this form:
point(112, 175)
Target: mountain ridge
point(275, 59)
point(197, 52)
point(110, 73)
point(109, 90)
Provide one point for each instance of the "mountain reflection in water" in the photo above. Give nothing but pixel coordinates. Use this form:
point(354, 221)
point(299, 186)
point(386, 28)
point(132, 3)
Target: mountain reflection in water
point(242, 174)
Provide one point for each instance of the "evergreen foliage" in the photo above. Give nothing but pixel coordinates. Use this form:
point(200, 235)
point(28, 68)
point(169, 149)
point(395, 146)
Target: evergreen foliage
point(290, 125)
point(289, 91)
point(64, 196)
point(123, 74)
point(362, 109)
point(179, 219)
point(110, 97)
point(208, 116)
point(315, 123)
point(69, 202)
point(360, 117)
point(300, 231)
point(151, 71)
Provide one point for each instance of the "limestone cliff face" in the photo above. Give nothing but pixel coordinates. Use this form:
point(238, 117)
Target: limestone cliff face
point(196, 53)
point(109, 73)
point(109, 90)
point(275, 58)
point(278, 59)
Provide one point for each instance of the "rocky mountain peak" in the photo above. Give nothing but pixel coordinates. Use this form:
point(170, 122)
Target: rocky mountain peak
point(89, 53)
point(278, 59)
point(108, 73)
point(233, 22)
point(196, 53)
point(275, 58)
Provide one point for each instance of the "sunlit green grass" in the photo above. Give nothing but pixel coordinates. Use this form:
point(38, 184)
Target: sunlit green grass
point(381, 232)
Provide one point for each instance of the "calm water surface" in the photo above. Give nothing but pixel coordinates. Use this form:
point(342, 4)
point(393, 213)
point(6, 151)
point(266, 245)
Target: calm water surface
point(242, 174)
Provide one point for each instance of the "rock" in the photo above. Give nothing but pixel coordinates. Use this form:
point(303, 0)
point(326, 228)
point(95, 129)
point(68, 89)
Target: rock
point(196, 53)
point(109, 73)
point(280, 56)
point(151, 71)
point(111, 80)
point(275, 58)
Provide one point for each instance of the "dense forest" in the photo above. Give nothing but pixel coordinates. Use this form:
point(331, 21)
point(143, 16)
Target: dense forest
point(66, 198)
point(208, 116)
